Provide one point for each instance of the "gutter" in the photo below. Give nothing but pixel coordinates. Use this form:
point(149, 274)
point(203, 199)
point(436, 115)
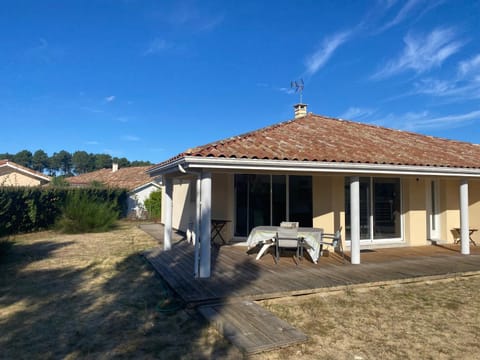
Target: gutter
point(192, 163)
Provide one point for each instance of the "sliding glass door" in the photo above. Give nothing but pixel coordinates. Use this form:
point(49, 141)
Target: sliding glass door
point(271, 199)
point(380, 209)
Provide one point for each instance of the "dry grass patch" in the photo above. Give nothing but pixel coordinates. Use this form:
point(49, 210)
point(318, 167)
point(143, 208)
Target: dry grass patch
point(93, 296)
point(438, 320)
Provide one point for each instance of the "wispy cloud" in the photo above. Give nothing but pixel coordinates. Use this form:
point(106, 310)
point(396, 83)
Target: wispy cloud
point(423, 53)
point(465, 86)
point(414, 121)
point(42, 51)
point(470, 67)
point(156, 46)
point(321, 56)
point(130, 138)
point(92, 142)
point(357, 113)
point(110, 98)
point(402, 14)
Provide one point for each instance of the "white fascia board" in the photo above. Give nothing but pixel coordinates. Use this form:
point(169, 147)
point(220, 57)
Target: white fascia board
point(30, 173)
point(194, 162)
point(138, 188)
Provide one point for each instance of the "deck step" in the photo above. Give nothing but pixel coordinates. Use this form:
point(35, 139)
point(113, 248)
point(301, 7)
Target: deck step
point(250, 327)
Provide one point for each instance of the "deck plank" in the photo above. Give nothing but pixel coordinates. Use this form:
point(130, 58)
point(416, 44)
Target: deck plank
point(263, 331)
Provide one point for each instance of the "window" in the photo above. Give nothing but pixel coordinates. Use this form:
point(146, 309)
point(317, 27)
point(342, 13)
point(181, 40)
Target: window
point(271, 199)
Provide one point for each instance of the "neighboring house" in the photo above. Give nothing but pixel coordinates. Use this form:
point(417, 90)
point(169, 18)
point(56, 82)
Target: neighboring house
point(384, 187)
point(12, 174)
point(139, 184)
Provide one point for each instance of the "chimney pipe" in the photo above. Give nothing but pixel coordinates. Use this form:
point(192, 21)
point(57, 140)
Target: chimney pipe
point(114, 167)
point(300, 110)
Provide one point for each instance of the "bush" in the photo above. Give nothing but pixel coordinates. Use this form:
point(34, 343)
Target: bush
point(32, 209)
point(83, 214)
point(154, 205)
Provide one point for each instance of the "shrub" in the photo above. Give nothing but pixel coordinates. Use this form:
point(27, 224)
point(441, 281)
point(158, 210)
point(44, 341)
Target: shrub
point(31, 209)
point(154, 205)
point(83, 213)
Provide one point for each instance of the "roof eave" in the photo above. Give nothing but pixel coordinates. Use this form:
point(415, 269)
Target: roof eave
point(27, 172)
point(199, 163)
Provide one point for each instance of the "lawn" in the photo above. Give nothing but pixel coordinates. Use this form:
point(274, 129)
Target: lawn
point(93, 296)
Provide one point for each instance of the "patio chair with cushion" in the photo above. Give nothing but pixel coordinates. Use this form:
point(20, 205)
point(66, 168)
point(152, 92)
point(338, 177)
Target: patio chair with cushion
point(287, 237)
point(335, 241)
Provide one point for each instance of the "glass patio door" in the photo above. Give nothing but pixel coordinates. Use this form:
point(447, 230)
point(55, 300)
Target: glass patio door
point(271, 199)
point(380, 209)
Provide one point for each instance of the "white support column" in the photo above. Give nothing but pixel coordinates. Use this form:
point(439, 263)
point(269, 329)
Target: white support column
point(355, 219)
point(205, 224)
point(167, 238)
point(464, 226)
point(197, 228)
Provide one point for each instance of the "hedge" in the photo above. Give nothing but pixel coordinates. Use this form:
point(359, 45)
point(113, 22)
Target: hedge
point(31, 209)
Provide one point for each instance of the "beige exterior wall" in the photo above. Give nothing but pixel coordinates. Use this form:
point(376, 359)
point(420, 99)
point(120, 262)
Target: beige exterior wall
point(474, 208)
point(183, 212)
point(414, 203)
point(449, 204)
point(223, 207)
point(329, 204)
point(18, 179)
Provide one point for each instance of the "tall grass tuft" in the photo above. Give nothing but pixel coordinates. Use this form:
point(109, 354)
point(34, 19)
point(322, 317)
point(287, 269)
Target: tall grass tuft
point(82, 214)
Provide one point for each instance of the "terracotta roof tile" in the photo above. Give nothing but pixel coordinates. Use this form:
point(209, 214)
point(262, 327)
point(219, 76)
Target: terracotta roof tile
point(126, 178)
point(320, 138)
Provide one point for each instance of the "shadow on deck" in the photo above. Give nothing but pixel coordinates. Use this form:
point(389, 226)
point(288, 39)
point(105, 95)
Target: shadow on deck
point(236, 275)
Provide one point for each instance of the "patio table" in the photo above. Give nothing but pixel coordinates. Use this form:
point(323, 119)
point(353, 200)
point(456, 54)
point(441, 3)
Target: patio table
point(265, 234)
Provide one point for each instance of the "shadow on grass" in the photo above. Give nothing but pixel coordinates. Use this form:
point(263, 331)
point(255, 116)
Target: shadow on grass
point(96, 310)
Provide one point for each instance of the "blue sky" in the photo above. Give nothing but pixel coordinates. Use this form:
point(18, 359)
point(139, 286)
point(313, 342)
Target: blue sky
point(149, 79)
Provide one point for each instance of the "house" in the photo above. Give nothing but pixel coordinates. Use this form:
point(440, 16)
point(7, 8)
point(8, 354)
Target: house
point(139, 184)
point(384, 187)
point(12, 174)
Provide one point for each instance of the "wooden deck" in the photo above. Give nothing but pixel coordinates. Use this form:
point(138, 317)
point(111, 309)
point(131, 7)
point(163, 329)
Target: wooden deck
point(238, 276)
point(263, 331)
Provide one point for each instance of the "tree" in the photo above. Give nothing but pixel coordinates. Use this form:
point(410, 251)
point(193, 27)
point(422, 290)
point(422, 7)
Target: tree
point(102, 161)
point(140, 163)
point(23, 158)
point(82, 162)
point(6, 156)
point(61, 161)
point(122, 162)
point(40, 161)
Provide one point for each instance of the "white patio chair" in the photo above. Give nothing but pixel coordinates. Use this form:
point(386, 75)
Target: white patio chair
point(335, 241)
point(287, 237)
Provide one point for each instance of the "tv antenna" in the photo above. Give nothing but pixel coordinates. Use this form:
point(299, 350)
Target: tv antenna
point(298, 85)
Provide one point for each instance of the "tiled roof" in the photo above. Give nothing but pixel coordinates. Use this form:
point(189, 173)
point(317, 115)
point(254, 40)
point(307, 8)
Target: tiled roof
point(126, 178)
point(6, 162)
point(324, 139)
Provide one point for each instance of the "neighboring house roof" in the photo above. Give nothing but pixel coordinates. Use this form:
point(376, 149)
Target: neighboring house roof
point(129, 178)
point(7, 165)
point(314, 138)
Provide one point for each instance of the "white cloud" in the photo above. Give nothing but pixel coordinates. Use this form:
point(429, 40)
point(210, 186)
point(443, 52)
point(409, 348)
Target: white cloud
point(285, 90)
point(156, 46)
point(92, 142)
point(356, 113)
point(404, 12)
point(412, 121)
point(110, 98)
point(470, 67)
point(320, 57)
point(423, 53)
